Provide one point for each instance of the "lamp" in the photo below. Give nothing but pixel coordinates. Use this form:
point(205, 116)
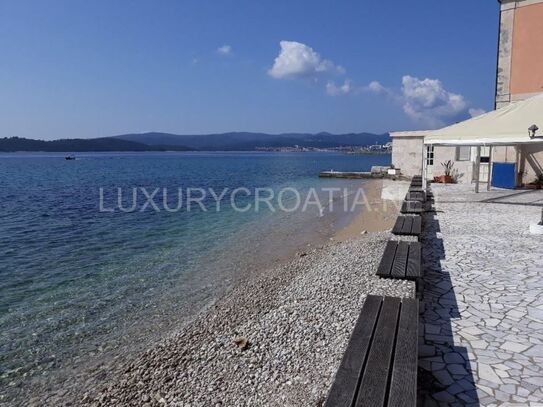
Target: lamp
point(532, 130)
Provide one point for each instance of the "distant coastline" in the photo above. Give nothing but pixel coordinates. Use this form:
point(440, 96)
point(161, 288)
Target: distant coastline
point(105, 144)
point(235, 141)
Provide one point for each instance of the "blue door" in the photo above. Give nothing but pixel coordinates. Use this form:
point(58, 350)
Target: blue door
point(503, 175)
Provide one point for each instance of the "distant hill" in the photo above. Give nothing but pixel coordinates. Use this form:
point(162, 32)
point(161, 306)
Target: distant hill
point(14, 144)
point(239, 141)
point(244, 141)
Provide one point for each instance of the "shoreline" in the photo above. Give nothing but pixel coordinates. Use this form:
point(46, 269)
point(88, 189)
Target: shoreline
point(280, 345)
point(315, 288)
point(379, 214)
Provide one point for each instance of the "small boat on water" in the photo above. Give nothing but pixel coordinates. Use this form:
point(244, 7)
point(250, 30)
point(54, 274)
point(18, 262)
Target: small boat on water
point(69, 157)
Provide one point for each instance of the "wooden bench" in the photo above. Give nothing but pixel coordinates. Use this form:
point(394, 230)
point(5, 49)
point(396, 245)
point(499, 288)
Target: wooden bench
point(416, 189)
point(401, 260)
point(408, 226)
point(379, 367)
point(416, 196)
point(413, 207)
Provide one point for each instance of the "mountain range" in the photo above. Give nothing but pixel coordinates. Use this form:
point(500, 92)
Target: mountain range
point(245, 141)
point(153, 141)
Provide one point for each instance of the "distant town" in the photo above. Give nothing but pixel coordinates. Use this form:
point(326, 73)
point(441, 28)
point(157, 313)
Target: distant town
point(370, 149)
point(352, 143)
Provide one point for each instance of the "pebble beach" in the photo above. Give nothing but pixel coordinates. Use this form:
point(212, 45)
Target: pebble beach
point(274, 341)
point(276, 338)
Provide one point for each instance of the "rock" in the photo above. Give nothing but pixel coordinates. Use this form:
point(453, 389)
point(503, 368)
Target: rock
point(242, 343)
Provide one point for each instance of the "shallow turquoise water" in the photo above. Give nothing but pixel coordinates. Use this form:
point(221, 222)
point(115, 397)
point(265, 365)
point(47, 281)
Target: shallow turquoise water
point(76, 282)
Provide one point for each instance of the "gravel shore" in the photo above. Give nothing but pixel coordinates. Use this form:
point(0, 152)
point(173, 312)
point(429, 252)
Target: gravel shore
point(275, 340)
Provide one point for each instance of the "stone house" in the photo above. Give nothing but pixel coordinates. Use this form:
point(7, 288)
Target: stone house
point(519, 76)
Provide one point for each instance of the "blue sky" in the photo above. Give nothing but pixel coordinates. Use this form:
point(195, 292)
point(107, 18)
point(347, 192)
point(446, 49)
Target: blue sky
point(98, 68)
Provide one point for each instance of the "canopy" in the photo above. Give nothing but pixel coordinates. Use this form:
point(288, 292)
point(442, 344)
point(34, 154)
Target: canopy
point(506, 126)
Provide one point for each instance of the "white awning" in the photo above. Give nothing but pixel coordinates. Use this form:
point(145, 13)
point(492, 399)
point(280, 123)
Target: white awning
point(506, 126)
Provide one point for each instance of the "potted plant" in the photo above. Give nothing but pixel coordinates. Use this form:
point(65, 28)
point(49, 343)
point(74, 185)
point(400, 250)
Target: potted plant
point(447, 177)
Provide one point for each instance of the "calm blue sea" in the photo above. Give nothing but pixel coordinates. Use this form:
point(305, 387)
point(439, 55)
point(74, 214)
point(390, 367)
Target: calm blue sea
point(78, 283)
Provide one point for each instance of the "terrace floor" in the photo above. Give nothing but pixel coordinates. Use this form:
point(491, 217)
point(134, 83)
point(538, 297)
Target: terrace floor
point(481, 334)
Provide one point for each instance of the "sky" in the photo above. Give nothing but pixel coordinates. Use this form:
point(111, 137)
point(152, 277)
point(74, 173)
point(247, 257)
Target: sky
point(81, 69)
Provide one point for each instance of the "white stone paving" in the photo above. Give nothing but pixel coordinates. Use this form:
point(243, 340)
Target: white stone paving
point(482, 320)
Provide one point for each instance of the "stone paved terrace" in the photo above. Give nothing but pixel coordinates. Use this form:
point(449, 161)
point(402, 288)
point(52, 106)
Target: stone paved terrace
point(482, 321)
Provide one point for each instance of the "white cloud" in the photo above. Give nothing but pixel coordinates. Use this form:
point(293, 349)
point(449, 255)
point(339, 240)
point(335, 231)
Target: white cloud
point(297, 60)
point(376, 87)
point(334, 90)
point(428, 102)
point(474, 112)
point(225, 50)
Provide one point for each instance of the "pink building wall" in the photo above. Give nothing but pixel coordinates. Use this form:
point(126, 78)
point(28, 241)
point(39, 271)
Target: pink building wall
point(527, 51)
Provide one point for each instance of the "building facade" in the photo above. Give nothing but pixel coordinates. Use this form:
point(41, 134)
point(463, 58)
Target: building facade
point(409, 154)
point(519, 75)
point(520, 51)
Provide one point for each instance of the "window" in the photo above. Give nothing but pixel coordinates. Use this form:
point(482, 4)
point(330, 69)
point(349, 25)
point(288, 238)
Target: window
point(430, 155)
point(485, 154)
point(463, 153)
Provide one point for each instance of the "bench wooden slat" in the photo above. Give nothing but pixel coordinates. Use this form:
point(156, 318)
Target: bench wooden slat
point(415, 196)
point(407, 225)
point(417, 226)
point(344, 390)
point(413, 269)
point(398, 226)
point(411, 207)
point(373, 388)
point(400, 260)
point(379, 367)
point(403, 385)
point(388, 258)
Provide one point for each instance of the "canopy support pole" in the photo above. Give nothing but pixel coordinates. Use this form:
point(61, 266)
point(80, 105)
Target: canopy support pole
point(517, 166)
point(489, 181)
point(424, 165)
point(477, 169)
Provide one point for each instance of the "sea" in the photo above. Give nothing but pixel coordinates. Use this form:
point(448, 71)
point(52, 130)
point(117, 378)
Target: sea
point(102, 255)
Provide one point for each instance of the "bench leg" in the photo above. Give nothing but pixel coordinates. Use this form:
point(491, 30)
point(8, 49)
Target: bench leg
point(419, 287)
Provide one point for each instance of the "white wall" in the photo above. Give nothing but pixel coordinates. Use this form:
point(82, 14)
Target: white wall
point(462, 170)
point(407, 155)
point(531, 162)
